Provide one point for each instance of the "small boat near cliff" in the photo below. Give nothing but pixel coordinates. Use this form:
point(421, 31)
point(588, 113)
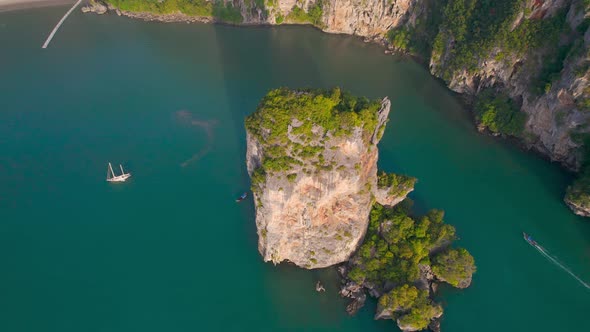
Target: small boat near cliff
point(111, 177)
point(529, 239)
point(242, 197)
point(319, 287)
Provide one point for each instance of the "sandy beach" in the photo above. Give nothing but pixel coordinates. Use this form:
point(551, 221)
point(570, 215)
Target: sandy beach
point(7, 5)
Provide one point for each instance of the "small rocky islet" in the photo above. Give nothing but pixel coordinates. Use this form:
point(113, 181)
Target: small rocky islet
point(321, 201)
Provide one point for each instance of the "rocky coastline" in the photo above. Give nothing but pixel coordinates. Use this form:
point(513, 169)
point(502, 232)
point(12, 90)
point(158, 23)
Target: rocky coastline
point(554, 121)
point(316, 180)
point(165, 18)
point(579, 209)
point(359, 279)
point(577, 195)
point(320, 201)
point(99, 7)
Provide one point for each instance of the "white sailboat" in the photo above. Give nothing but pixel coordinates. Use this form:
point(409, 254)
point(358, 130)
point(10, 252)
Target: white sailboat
point(111, 177)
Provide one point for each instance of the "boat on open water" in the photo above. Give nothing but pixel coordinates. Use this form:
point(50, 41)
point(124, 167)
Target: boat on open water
point(529, 239)
point(111, 177)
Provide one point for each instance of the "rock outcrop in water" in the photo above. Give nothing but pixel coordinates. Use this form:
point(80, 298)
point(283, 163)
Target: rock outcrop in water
point(96, 7)
point(577, 196)
point(312, 156)
point(401, 262)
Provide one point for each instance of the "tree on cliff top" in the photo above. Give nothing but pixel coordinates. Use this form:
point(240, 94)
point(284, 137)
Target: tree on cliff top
point(294, 129)
point(397, 184)
point(313, 15)
point(224, 11)
point(421, 315)
point(401, 298)
point(337, 112)
point(454, 266)
point(578, 193)
point(499, 114)
point(396, 244)
point(411, 306)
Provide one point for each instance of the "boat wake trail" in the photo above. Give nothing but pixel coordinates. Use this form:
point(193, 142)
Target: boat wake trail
point(48, 40)
point(186, 117)
point(559, 264)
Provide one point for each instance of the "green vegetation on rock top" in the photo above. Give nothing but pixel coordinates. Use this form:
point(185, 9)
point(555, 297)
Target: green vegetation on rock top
point(454, 266)
point(499, 114)
point(310, 117)
point(396, 249)
point(312, 16)
point(418, 39)
point(411, 305)
point(225, 12)
point(401, 298)
point(398, 184)
point(337, 112)
point(396, 244)
point(578, 193)
point(477, 26)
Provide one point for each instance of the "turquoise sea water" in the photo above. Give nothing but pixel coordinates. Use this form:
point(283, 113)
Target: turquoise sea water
point(170, 250)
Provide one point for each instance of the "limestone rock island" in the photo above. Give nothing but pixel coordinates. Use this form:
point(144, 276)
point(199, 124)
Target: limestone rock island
point(312, 156)
point(320, 201)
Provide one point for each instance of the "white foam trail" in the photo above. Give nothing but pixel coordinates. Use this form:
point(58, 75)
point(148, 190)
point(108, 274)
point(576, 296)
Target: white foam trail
point(60, 23)
point(544, 252)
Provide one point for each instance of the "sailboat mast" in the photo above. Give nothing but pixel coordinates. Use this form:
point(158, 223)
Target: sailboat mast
point(122, 171)
point(111, 168)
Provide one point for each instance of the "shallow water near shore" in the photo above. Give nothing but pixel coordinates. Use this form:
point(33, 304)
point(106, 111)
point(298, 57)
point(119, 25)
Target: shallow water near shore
point(170, 250)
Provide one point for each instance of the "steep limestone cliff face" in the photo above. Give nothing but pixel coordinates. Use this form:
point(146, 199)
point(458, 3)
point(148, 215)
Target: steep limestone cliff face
point(556, 110)
point(365, 18)
point(312, 157)
point(556, 117)
point(539, 57)
point(368, 18)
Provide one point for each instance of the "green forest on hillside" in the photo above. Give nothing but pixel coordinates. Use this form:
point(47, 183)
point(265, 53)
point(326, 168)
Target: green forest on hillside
point(216, 9)
point(477, 26)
